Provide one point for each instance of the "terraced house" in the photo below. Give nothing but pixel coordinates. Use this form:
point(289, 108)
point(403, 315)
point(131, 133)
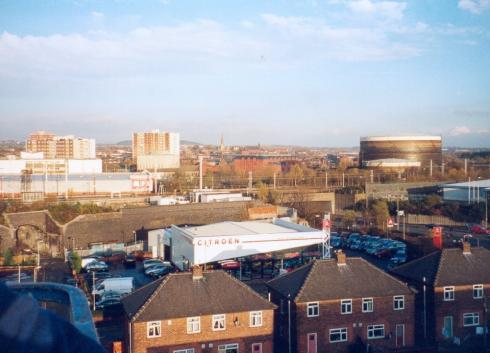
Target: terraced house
point(198, 312)
point(455, 286)
point(337, 305)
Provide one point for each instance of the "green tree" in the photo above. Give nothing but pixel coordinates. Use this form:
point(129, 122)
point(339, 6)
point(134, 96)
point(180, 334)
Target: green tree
point(379, 211)
point(348, 218)
point(8, 257)
point(76, 262)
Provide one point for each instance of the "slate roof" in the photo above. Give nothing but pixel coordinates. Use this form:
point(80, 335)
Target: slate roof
point(449, 267)
point(178, 295)
point(326, 280)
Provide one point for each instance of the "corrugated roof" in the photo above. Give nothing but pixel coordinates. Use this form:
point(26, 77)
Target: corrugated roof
point(326, 280)
point(178, 295)
point(476, 183)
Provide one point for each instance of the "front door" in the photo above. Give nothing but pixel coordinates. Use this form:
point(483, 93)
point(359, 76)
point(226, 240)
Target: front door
point(447, 330)
point(400, 335)
point(312, 343)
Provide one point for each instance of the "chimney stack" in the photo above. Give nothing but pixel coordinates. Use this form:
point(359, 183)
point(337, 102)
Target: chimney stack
point(196, 272)
point(466, 247)
point(340, 258)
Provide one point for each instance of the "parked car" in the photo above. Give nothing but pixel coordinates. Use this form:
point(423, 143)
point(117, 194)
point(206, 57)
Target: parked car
point(156, 266)
point(159, 271)
point(108, 302)
point(230, 265)
point(141, 255)
point(151, 262)
point(97, 266)
point(122, 285)
point(477, 229)
point(130, 260)
point(400, 257)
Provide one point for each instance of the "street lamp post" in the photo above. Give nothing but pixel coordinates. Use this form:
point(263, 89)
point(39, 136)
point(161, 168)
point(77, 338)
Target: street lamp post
point(38, 261)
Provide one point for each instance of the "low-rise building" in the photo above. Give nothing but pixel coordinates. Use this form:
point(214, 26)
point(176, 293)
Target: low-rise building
point(454, 285)
point(336, 305)
point(198, 312)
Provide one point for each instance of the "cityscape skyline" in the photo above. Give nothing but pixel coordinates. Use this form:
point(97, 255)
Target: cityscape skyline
point(323, 73)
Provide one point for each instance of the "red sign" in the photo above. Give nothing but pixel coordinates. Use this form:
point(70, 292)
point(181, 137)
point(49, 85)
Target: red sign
point(389, 223)
point(326, 224)
point(437, 237)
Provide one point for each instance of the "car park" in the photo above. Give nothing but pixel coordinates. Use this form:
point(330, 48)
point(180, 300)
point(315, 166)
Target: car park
point(130, 260)
point(159, 271)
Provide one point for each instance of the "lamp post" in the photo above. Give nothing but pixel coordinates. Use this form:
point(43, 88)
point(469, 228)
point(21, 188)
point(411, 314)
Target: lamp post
point(38, 261)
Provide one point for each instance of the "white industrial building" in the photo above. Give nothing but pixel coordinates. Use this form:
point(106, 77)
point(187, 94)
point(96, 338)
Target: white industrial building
point(210, 195)
point(230, 240)
point(72, 184)
point(49, 166)
point(470, 192)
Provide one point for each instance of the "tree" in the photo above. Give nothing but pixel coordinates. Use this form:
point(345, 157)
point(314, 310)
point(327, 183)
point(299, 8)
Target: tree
point(296, 173)
point(379, 211)
point(348, 218)
point(76, 262)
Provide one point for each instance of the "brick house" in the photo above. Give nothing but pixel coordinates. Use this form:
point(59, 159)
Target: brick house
point(198, 312)
point(338, 305)
point(457, 283)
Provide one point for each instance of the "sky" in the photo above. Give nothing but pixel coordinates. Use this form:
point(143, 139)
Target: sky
point(312, 73)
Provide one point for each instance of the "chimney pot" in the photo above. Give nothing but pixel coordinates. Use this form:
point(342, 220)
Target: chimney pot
point(197, 272)
point(340, 258)
point(466, 247)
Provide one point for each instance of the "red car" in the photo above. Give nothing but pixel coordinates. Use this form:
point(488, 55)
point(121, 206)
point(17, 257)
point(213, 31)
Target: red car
point(479, 230)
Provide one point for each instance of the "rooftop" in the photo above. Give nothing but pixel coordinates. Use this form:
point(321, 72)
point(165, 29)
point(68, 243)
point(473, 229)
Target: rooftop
point(402, 138)
point(476, 183)
point(326, 280)
point(245, 228)
point(449, 267)
point(180, 295)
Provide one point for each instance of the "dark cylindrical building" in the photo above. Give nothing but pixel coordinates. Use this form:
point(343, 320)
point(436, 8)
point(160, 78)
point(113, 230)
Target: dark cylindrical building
point(410, 149)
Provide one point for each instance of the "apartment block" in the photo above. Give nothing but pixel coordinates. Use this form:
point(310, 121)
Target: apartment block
point(156, 150)
point(60, 147)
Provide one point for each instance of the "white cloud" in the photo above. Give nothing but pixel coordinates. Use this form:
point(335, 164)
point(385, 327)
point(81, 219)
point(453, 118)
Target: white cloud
point(97, 15)
point(460, 130)
point(389, 9)
point(474, 6)
point(201, 45)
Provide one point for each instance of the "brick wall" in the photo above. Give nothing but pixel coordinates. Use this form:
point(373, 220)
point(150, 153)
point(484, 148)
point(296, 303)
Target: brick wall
point(463, 303)
point(174, 335)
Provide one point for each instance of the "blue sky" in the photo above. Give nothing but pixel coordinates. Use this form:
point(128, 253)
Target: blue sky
point(314, 73)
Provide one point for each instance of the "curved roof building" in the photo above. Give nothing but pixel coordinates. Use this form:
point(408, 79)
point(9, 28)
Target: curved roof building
point(414, 150)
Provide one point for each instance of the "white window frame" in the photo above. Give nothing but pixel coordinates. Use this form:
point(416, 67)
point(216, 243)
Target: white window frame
point(338, 331)
point(257, 345)
point(151, 325)
point(449, 294)
point(254, 316)
point(187, 350)
point(315, 309)
point(222, 348)
point(194, 324)
point(367, 301)
point(397, 299)
point(220, 318)
point(345, 302)
point(473, 316)
point(372, 328)
point(478, 288)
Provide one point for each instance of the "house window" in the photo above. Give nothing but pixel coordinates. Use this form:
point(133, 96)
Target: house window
point(255, 318)
point(346, 306)
point(448, 293)
point(193, 324)
point(478, 291)
point(375, 331)
point(188, 350)
point(228, 348)
point(219, 322)
point(153, 329)
point(338, 335)
point(471, 319)
point(313, 309)
point(256, 347)
point(399, 302)
point(367, 305)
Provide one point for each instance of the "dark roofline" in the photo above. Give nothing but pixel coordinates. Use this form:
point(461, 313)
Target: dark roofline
point(420, 259)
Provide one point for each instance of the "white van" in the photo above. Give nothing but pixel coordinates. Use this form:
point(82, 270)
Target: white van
point(121, 285)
